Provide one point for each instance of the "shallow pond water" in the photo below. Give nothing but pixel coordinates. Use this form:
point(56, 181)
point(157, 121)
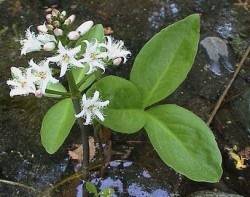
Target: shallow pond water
point(24, 160)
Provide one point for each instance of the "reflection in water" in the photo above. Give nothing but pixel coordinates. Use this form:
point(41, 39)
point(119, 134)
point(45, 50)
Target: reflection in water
point(217, 53)
point(139, 185)
point(162, 10)
point(225, 30)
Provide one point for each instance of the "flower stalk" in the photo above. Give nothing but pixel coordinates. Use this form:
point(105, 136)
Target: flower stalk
point(82, 127)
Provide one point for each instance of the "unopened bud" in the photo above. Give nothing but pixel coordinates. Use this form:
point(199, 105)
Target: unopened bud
point(58, 32)
point(73, 35)
point(70, 20)
point(63, 14)
point(42, 28)
point(55, 12)
point(49, 46)
point(56, 23)
point(85, 27)
point(49, 18)
point(50, 27)
point(38, 93)
point(117, 61)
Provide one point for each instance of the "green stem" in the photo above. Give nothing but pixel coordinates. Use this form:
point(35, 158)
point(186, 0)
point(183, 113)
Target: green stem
point(87, 82)
point(57, 92)
point(83, 128)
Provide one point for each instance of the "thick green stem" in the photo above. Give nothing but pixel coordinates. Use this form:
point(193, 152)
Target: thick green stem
point(84, 132)
point(57, 92)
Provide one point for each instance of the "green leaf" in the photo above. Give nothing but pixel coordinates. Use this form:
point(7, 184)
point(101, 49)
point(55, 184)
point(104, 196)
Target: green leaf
point(107, 192)
point(57, 124)
point(184, 142)
point(56, 87)
point(124, 113)
point(165, 60)
point(79, 73)
point(91, 188)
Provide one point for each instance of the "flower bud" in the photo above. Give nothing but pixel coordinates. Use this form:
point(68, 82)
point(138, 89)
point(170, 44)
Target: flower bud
point(58, 32)
point(38, 93)
point(56, 23)
point(49, 18)
point(70, 20)
point(42, 28)
point(50, 27)
point(117, 61)
point(73, 35)
point(55, 12)
point(84, 27)
point(49, 46)
point(62, 14)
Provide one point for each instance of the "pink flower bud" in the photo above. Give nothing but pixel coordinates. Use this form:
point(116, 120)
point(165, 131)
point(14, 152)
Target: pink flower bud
point(73, 35)
point(42, 28)
point(48, 16)
point(84, 27)
point(55, 12)
point(117, 61)
point(70, 20)
point(49, 46)
point(38, 93)
point(58, 32)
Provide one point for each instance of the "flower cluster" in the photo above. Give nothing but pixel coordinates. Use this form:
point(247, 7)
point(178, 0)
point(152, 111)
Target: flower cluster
point(55, 36)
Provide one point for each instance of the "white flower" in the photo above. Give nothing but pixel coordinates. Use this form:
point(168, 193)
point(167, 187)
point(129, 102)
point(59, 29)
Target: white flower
point(42, 28)
point(35, 43)
point(31, 43)
point(42, 75)
point(66, 58)
point(91, 108)
point(85, 27)
point(116, 49)
point(22, 83)
point(94, 56)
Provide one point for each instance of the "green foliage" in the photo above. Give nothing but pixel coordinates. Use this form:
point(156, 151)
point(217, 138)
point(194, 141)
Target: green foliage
point(57, 124)
point(163, 63)
point(124, 113)
point(107, 192)
point(184, 142)
point(79, 74)
point(182, 139)
point(55, 87)
point(91, 188)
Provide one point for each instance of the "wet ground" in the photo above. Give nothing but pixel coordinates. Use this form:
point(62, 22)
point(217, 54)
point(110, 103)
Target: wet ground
point(142, 173)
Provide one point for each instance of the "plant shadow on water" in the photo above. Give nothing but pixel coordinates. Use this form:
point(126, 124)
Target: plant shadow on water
point(24, 160)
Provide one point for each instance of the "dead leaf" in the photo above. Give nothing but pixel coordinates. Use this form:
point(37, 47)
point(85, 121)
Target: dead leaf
point(108, 30)
point(77, 154)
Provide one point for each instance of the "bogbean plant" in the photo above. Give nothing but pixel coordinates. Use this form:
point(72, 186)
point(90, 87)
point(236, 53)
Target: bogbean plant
point(82, 54)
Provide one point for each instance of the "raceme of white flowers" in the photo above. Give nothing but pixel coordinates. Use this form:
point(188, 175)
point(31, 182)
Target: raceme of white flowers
point(55, 37)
